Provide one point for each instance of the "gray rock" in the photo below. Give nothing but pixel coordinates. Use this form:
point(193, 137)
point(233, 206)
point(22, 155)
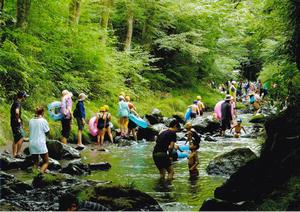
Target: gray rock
point(53, 164)
point(58, 150)
point(76, 167)
point(159, 127)
point(8, 162)
point(124, 142)
point(156, 111)
point(204, 125)
point(228, 163)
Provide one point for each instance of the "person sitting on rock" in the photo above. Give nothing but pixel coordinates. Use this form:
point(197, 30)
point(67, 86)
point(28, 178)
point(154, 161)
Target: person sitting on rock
point(39, 128)
point(238, 128)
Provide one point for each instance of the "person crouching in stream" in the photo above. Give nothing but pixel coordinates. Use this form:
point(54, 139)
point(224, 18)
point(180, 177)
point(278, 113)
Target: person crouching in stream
point(39, 128)
point(165, 143)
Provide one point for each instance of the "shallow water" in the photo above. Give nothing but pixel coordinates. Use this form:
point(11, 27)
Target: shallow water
point(134, 166)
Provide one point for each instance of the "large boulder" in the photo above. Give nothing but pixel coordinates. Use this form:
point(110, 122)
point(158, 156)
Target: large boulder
point(159, 127)
point(220, 205)
point(122, 142)
point(58, 150)
point(76, 167)
point(154, 119)
point(228, 163)
point(204, 125)
point(146, 133)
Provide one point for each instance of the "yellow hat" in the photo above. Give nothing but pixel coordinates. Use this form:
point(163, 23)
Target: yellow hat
point(127, 98)
point(199, 97)
point(102, 109)
point(106, 107)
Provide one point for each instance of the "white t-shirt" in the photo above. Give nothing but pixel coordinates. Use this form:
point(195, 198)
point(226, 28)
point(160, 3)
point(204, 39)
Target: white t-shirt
point(37, 139)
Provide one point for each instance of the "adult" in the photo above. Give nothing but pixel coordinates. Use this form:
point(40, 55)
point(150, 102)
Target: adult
point(200, 105)
point(194, 109)
point(16, 123)
point(232, 90)
point(165, 144)
point(79, 114)
point(103, 119)
point(39, 128)
point(131, 125)
point(226, 115)
point(123, 112)
point(66, 109)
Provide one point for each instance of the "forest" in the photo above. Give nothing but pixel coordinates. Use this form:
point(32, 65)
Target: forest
point(151, 49)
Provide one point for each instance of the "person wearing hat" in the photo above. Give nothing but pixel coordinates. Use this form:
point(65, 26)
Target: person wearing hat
point(66, 109)
point(123, 113)
point(232, 90)
point(16, 123)
point(79, 114)
point(226, 118)
point(200, 105)
point(165, 143)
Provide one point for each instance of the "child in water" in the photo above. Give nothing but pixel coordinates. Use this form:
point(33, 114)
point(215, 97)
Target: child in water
point(193, 160)
point(238, 128)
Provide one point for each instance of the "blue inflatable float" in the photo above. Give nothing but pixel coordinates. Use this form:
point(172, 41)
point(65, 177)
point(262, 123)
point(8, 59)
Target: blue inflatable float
point(187, 115)
point(182, 154)
point(54, 110)
point(140, 122)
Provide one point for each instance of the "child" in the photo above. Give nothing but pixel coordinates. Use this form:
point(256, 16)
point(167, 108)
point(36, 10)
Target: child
point(193, 160)
point(237, 129)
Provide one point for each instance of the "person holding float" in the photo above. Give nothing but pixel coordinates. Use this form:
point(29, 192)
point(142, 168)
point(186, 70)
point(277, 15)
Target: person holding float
point(66, 110)
point(165, 143)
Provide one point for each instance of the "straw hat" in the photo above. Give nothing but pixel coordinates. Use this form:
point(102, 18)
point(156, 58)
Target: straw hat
point(82, 96)
point(228, 97)
point(199, 97)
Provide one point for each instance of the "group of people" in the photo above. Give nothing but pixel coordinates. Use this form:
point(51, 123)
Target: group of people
point(39, 127)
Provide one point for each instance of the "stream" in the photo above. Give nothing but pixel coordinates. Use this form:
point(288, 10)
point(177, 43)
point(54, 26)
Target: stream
point(134, 166)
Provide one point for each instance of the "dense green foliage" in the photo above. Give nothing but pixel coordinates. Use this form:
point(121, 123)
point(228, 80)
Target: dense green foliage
point(175, 46)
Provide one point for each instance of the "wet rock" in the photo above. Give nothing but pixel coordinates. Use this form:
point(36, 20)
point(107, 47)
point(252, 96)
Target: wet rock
point(76, 167)
point(167, 121)
point(179, 117)
point(146, 133)
point(228, 163)
point(53, 164)
point(258, 118)
point(10, 185)
point(154, 119)
point(159, 127)
point(219, 205)
point(156, 112)
point(8, 162)
point(124, 142)
point(103, 166)
point(210, 138)
point(203, 125)
point(51, 179)
point(58, 150)
point(119, 198)
point(9, 206)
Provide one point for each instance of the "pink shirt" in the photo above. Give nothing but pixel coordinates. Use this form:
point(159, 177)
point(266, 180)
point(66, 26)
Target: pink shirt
point(66, 106)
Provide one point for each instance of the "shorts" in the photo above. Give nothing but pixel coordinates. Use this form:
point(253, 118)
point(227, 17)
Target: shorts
point(18, 133)
point(225, 124)
point(79, 123)
point(201, 112)
point(66, 127)
point(161, 160)
point(131, 124)
point(193, 115)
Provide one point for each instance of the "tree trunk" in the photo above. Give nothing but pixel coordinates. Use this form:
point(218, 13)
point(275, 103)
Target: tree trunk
point(127, 45)
point(74, 12)
point(297, 32)
point(107, 4)
point(23, 7)
point(1, 6)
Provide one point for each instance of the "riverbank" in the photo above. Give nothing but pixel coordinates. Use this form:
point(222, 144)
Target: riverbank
point(168, 103)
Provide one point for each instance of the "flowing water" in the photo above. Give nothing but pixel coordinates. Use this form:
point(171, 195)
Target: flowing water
point(134, 166)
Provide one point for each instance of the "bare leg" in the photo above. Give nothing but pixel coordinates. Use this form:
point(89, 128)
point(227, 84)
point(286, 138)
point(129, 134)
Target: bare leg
point(134, 134)
point(170, 172)
point(79, 139)
point(35, 161)
point(98, 136)
point(19, 145)
point(162, 173)
point(45, 158)
point(102, 136)
point(110, 135)
point(14, 149)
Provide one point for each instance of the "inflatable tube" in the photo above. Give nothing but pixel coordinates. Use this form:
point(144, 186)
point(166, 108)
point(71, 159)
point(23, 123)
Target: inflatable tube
point(217, 110)
point(182, 154)
point(54, 110)
point(184, 147)
point(138, 121)
point(93, 126)
point(187, 115)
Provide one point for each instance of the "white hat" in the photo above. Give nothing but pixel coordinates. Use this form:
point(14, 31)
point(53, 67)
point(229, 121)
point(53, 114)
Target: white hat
point(82, 96)
point(65, 92)
point(233, 82)
point(228, 97)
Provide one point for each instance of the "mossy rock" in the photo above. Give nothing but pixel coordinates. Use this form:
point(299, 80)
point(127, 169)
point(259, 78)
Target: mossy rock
point(258, 118)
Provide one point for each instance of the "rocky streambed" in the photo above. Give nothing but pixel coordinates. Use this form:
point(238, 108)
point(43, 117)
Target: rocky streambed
point(126, 173)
